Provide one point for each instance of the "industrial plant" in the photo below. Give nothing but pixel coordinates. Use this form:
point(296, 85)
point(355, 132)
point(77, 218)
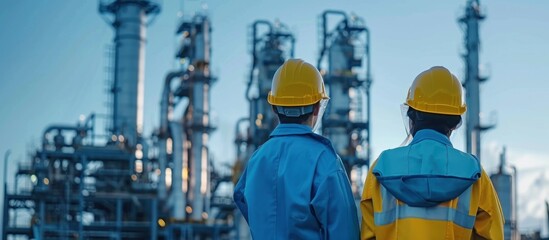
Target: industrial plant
point(113, 181)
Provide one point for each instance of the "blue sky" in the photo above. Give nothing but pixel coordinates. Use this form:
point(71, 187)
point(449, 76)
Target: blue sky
point(52, 60)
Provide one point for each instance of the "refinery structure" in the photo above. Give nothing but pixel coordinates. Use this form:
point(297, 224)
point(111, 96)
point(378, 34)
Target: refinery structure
point(84, 184)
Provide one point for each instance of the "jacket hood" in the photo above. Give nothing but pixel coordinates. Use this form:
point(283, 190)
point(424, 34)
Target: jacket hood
point(427, 172)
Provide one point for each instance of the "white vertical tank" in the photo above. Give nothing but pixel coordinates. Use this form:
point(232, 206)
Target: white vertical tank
point(505, 185)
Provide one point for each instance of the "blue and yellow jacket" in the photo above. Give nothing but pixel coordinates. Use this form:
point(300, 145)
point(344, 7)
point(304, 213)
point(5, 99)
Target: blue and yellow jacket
point(429, 190)
point(295, 187)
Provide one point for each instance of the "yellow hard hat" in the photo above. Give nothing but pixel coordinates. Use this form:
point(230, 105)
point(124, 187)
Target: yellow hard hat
point(296, 83)
point(436, 91)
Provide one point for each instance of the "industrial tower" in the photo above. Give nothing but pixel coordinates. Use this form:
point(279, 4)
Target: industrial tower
point(129, 22)
point(124, 186)
point(504, 181)
point(191, 211)
point(344, 62)
point(473, 127)
point(270, 47)
point(88, 189)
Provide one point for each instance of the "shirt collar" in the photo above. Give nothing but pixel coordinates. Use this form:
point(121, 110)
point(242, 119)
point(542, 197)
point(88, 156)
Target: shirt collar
point(291, 129)
point(428, 134)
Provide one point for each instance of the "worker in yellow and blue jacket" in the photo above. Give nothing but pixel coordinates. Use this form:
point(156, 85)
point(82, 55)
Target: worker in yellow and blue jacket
point(295, 185)
point(428, 189)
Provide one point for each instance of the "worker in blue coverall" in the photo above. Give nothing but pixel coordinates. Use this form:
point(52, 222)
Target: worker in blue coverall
point(295, 185)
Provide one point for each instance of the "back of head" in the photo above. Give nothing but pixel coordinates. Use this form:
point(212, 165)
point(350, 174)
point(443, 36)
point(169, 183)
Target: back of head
point(435, 101)
point(296, 87)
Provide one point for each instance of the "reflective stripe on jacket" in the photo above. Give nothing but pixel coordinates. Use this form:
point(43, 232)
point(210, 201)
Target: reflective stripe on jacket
point(295, 187)
point(429, 190)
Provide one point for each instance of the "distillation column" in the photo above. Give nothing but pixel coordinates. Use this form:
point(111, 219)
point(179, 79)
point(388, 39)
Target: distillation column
point(345, 51)
point(269, 51)
point(130, 29)
point(183, 143)
point(190, 192)
point(472, 81)
point(270, 48)
point(197, 121)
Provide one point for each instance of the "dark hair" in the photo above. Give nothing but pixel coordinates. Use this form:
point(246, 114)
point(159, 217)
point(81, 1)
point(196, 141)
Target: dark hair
point(299, 120)
point(441, 123)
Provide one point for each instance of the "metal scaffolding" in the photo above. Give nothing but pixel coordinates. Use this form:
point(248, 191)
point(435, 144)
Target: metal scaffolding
point(80, 190)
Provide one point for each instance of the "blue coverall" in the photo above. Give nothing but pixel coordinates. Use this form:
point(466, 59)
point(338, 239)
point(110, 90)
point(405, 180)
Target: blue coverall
point(295, 187)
